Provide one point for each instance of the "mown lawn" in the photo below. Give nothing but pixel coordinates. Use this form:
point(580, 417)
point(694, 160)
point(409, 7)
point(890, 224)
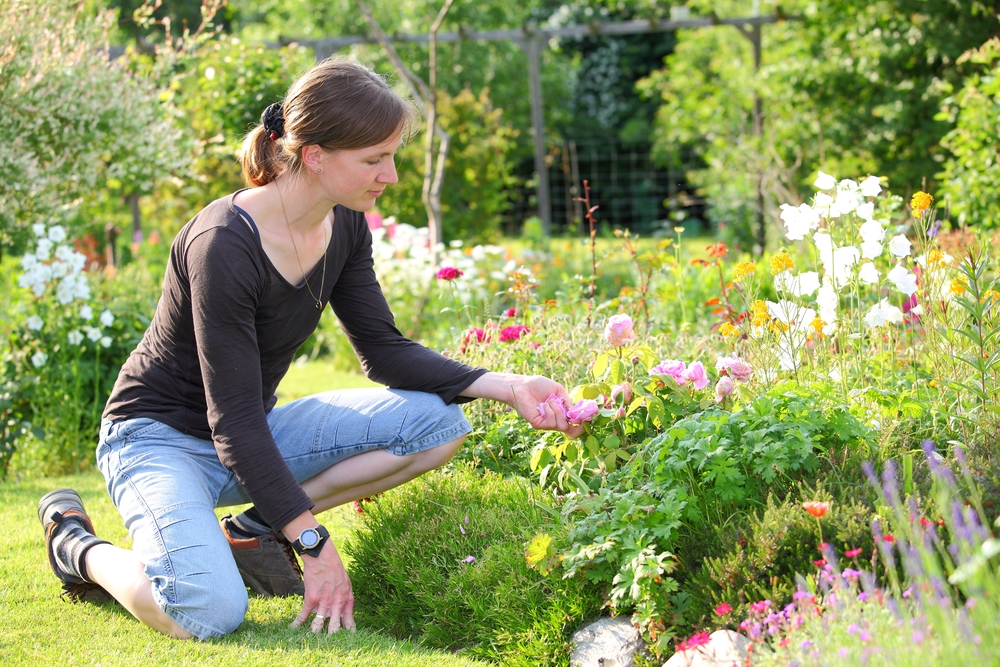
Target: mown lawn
point(37, 627)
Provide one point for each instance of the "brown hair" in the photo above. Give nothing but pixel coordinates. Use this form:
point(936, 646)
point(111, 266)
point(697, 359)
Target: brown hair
point(338, 104)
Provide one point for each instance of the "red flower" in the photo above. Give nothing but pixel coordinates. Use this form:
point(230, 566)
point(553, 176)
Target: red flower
point(508, 334)
point(816, 508)
point(888, 538)
point(718, 250)
point(819, 563)
point(852, 553)
point(723, 609)
point(510, 312)
point(449, 273)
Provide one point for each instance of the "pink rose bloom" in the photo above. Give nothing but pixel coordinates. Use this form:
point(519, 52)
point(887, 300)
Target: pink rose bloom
point(374, 219)
point(583, 411)
point(624, 390)
point(736, 368)
point(449, 273)
point(724, 387)
point(671, 367)
point(508, 334)
point(618, 331)
point(696, 375)
point(555, 399)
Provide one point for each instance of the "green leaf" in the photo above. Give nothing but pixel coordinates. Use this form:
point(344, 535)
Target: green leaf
point(612, 442)
point(600, 366)
point(541, 555)
point(617, 371)
point(593, 446)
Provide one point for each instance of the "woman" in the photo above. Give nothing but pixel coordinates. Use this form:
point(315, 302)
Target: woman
point(191, 423)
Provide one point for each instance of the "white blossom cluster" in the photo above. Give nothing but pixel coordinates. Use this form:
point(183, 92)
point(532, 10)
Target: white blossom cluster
point(847, 260)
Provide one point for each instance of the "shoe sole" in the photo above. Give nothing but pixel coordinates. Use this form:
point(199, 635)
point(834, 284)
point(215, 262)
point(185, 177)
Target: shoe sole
point(75, 591)
point(68, 496)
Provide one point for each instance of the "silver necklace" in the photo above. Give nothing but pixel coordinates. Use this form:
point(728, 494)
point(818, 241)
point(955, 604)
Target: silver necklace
point(326, 247)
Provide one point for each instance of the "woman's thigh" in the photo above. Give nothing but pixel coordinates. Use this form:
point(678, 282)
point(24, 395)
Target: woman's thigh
point(166, 484)
point(316, 432)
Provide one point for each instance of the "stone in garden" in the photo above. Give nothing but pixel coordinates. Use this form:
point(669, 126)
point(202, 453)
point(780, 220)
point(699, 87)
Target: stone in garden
point(725, 648)
point(606, 642)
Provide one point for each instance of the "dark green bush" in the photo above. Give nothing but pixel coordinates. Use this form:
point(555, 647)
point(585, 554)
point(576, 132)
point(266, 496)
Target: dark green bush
point(411, 575)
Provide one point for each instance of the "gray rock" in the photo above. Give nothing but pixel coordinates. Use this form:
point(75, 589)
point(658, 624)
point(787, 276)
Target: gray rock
point(725, 648)
point(606, 642)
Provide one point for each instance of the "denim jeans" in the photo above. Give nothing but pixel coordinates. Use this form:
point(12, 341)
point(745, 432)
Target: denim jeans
point(167, 484)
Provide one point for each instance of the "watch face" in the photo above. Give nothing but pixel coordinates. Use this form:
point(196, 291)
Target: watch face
point(309, 538)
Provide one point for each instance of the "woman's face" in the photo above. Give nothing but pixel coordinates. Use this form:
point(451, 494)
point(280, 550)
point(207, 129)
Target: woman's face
point(356, 177)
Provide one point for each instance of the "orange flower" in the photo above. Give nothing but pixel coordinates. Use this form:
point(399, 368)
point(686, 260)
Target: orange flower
point(920, 203)
point(816, 508)
point(718, 250)
point(781, 262)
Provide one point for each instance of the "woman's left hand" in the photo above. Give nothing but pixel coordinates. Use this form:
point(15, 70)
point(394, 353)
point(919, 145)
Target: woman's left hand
point(533, 396)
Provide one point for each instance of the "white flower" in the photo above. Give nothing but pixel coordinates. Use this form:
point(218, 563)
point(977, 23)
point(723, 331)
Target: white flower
point(824, 181)
point(870, 186)
point(35, 323)
point(871, 250)
point(883, 312)
point(822, 203)
point(57, 233)
point(865, 211)
point(904, 281)
point(74, 337)
point(38, 359)
point(848, 185)
point(43, 249)
point(846, 201)
point(899, 246)
point(86, 313)
point(872, 230)
point(106, 341)
point(802, 285)
point(93, 333)
point(107, 319)
point(39, 229)
point(868, 273)
point(827, 299)
point(799, 221)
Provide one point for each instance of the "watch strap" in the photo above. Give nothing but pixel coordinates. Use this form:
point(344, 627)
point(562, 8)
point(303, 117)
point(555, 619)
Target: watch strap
point(324, 535)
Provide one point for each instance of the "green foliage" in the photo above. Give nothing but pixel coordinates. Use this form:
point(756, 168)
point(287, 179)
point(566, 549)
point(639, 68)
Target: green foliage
point(78, 127)
point(478, 170)
point(780, 541)
point(970, 175)
point(443, 560)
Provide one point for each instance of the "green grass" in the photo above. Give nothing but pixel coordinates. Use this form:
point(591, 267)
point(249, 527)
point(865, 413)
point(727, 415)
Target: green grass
point(37, 627)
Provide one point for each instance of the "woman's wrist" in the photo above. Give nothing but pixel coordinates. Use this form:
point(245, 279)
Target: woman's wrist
point(305, 520)
point(495, 386)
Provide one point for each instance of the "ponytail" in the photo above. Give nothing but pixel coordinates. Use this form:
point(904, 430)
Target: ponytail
point(259, 158)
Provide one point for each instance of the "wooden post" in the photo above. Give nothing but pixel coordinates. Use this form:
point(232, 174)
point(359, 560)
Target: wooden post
point(532, 47)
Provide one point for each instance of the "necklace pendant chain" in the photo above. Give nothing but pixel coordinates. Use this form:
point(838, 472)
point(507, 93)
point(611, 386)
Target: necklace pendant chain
point(326, 247)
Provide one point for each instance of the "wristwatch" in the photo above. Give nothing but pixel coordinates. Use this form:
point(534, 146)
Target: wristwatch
point(310, 541)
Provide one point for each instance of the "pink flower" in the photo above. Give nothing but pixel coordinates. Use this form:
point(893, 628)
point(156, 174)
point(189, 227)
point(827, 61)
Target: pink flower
point(583, 411)
point(624, 390)
point(555, 399)
point(852, 553)
point(374, 219)
point(515, 332)
point(449, 273)
point(724, 387)
point(474, 335)
point(723, 609)
point(510, 312)
point(469, 559)
point(696, 375)
point(734, 367)
point(671, 367)
point(618, 331)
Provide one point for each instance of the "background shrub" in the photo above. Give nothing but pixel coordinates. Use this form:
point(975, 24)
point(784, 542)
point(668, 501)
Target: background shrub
point(413, 575)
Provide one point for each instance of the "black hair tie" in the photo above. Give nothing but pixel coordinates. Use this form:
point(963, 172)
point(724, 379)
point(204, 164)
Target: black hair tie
point(273, 120)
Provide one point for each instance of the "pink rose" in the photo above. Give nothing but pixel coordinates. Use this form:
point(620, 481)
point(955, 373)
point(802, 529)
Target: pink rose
point(736, 368)
point(449, 273)
point(583, 411)
point(515, 332)
point(618, 330)
point(696, 375)
point(624, 390)
point(671, 367)
point(724, 387)
point(555, 399)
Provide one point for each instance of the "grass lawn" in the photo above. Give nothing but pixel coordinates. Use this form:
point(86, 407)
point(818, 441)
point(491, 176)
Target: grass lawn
point(37, 627)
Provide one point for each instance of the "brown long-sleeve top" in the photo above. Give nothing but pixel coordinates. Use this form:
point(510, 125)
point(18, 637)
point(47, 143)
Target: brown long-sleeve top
point(225, 331)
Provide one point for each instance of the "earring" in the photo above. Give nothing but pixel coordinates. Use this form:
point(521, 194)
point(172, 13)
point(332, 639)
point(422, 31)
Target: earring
point(319, 169)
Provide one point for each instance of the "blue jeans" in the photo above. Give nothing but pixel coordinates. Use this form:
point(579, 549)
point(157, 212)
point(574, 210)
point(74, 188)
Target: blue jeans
point(167, 484)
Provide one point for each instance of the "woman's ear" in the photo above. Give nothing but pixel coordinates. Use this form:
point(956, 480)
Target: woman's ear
point(312, 157)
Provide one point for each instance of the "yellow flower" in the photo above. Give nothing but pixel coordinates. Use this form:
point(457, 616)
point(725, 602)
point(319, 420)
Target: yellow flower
point(759, 315)
point(920, 203)
point(817, 326)
point(744, 269)
point(957, 285)
point(932, 383)
point(935, 257)
point(727, 329)
point(777, 326)
point(991, 296)
point(781, 262)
